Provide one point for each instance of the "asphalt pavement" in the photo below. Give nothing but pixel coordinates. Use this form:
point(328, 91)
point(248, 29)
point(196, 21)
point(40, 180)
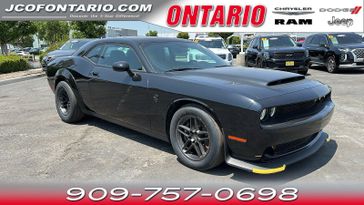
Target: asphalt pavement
point(37, 147)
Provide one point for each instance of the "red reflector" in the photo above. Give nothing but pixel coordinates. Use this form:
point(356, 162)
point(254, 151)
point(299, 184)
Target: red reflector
point(237, 138)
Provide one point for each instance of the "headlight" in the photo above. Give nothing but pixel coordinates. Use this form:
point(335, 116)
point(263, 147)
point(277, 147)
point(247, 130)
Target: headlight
point(263, 114)
point(345, 50)
point(307, 54)
point(230, 57)
point(266, 55)
point(268, 112)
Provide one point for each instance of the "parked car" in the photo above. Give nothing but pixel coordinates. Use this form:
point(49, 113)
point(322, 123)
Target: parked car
point(216, 45)
point(335, 50)
point(234, 50)
point(67, 49)
point(34, 51)
point(255, 119)
point(277, 52)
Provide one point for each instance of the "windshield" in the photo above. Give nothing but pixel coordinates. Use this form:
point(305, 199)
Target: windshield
point(169, 56)
point(73, 45)
point(212, 43)
point(277, 42)
point(345, 38)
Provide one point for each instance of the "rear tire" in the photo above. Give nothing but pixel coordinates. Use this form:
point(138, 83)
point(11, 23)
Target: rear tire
point(192, 129)
point(67, 105)
point(331, 64)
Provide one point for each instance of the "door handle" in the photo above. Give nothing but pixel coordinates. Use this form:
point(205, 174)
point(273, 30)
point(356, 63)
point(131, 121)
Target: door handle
point(94, 73)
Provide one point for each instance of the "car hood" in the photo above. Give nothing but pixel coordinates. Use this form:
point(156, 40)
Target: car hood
point(257, 84)
point(285, 49)
point(57, 53)
point(351, 46)
point(220, 50)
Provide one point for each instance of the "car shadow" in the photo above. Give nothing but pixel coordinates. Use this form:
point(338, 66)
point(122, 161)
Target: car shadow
point(348, 71)
point(128, 133)
point(292, 172)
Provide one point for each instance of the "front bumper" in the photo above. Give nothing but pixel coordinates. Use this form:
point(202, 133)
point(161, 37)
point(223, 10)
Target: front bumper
point(352, 58)
point(280, 64)
point(280, 164)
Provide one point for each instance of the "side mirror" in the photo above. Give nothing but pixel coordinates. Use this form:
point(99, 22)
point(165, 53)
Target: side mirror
point(299, 44)
point(122, 66)
point(255, 47)
point(324, 46)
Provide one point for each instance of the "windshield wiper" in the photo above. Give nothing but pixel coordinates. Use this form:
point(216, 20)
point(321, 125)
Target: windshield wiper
point(182, 69)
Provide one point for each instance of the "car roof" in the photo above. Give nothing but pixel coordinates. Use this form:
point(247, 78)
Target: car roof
point(270, 36)
point(137, 39)
point(132, 40)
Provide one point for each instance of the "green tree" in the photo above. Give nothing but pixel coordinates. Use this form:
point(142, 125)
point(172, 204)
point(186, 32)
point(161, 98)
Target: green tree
point(88, 29)
point(183, 35)
point(152, 33)
point(223, 35)
point(235, 40)
point(12, 30)
point(24, 41)
point(53, 31)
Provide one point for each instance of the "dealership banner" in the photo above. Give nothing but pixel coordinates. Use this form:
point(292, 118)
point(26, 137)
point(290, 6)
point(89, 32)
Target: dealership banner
point(202, 15)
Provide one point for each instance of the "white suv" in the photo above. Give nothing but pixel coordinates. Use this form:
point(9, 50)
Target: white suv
point(216, 45)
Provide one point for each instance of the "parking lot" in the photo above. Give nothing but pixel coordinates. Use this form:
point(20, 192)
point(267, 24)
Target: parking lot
point(36, 146)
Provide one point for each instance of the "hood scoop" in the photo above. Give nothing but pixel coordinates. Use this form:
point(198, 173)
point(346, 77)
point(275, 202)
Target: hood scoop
point(286, 80)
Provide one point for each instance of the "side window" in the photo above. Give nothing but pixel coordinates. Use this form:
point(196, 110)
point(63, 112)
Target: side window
point(315, 41)
point(114, 53)
point(319, 40)
point(94, 53)
point(252, 43)
point(322, 40)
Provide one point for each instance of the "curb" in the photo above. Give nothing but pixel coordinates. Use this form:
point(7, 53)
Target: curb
point(19, 79)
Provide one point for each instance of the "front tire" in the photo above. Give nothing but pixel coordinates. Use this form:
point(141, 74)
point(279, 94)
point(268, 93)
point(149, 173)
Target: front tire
point(331, 64)
point(67, 105)
point(196, 138)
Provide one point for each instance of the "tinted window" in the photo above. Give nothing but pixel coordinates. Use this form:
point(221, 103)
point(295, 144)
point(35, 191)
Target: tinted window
point(251, 44)
point(213, 43)
point(73, 44)
point(166, 56)
point(277, 41)
point(114, 53)
point(348, 38)
point(94, 53)
point(319, 40)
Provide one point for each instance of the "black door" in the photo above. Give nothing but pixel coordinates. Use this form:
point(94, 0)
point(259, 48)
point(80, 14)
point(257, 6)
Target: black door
point(317, 49)
point(252, 52)
point(115, 94)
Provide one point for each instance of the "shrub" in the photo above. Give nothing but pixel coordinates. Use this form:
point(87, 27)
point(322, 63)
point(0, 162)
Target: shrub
point(13, 63)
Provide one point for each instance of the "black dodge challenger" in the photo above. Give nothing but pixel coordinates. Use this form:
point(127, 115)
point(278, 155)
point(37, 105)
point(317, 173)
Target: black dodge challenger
point(178, 91)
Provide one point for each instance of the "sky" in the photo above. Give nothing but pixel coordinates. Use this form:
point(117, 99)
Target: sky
point(142, 27)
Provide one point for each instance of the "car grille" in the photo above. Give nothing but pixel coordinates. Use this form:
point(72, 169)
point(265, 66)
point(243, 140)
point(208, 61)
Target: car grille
point(223, 56)
point(359, 52)
point(286, 148)
point(298, 110)
point(289, 55)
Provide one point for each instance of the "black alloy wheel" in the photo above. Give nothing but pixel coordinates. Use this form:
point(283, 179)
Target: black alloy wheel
point(331, 64)
point(196, 138)
point(192, 137)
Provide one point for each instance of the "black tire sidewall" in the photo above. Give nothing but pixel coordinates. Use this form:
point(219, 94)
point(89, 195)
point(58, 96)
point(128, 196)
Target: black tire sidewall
point(215, 154)
point(69, 117)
